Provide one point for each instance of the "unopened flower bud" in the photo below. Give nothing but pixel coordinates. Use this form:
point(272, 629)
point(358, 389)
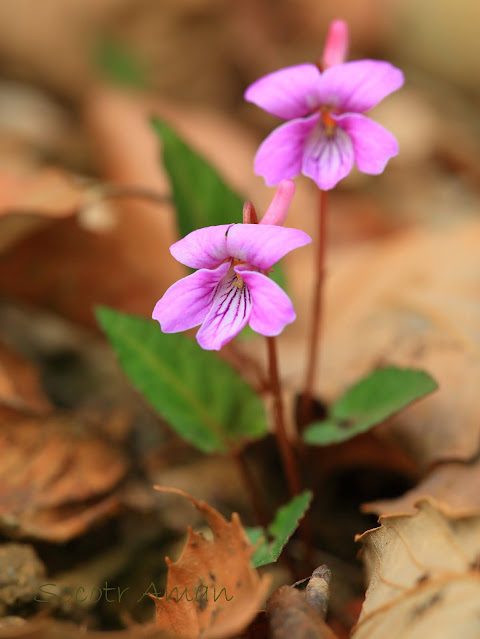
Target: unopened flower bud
point(336, 45)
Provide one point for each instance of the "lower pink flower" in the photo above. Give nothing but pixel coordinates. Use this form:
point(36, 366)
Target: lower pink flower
point(230, 288)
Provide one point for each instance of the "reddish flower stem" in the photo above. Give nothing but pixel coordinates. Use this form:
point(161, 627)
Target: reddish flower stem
point(317, 311)
point(285, 447)
point(248, 480)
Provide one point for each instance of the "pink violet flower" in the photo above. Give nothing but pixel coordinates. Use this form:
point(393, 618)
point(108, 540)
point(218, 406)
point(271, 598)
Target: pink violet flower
point(326, 131)
point(230, 288)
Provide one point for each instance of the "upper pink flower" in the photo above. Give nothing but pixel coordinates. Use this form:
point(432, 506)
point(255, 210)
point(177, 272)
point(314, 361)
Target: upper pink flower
point(229, 290)
point(326, 132)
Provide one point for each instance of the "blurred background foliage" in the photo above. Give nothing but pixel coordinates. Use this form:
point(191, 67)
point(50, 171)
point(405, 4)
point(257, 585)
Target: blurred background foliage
point(208, 50)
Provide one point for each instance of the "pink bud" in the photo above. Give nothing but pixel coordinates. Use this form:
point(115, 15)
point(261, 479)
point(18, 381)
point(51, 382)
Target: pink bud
point(336, 45)
point(278, 209)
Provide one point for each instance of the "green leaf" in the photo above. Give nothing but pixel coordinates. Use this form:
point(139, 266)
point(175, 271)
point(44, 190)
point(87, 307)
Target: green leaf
point(201, 196)
point(118, 64)
point(280, 530)
point(205, 401)
point(369, 402)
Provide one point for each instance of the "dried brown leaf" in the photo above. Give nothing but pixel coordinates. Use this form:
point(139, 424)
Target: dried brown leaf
point(129, 267)
point(56, 478)
point(211, 569)
point(423, 576)
point(29, 201)
point(19, 382)
point(455, 486)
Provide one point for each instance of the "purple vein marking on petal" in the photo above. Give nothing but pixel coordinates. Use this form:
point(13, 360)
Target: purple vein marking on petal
point(187, 302)
point(272, 309)
point(227, 298)
point(228, 314)
point(327, 159)
point(237, 293)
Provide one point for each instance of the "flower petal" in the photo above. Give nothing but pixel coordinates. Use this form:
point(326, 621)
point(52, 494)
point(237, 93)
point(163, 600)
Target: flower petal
point(280, 155)
point(373, 145)
point(272, 309)
point(203, 248)
point(328, 158)
point(262, 245)
point(359, 85)
point(229, 313)
point(187, 302)
point(278, 209)
point(288, 93)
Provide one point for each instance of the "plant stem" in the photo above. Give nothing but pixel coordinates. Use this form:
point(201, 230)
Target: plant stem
point(317, 309)
point(285, 447)
point(238, 457)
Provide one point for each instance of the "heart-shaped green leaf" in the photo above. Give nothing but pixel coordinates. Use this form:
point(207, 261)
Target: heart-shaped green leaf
point(205, 401)
point(369, 402)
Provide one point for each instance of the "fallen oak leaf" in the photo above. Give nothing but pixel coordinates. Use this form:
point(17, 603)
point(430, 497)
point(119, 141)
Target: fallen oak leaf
point(69, 481)
point(423, 576)
point(222, 565)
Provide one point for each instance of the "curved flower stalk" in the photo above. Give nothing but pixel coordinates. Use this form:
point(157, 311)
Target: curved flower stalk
point(230, 287)
point(326, 131)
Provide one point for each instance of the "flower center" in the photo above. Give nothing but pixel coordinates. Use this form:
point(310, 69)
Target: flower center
point(328, 122)
point(239, 283)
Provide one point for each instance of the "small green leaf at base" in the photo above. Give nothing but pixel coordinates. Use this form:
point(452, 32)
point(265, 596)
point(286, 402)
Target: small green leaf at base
point(280, 530)
point(205, 401)
point(369, 402)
